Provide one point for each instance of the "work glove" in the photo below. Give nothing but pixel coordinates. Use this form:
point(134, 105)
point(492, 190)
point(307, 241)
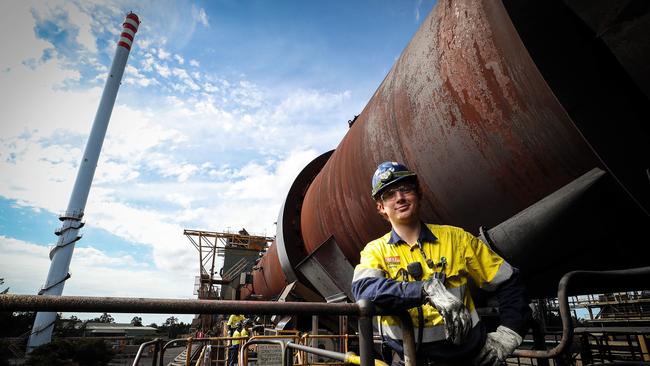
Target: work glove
point(458, 322)
point(498, 346)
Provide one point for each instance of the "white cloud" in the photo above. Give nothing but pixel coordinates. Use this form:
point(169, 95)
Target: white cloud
point(41, 146)
point(148, 62)
point(201, 16)
point(185, 78)
point(163, 70)
point(157, 230)
point(165, 162)
point(417, 11)
point(132, 76)
point(162, 54)
point(144, 42)
point(84, 22)
point(210, 88)
point(25, 266)
point(17, 34)
point(169, 168)
point(94, 273)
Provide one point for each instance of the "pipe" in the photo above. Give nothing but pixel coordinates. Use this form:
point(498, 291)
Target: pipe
point(366, 312)
point(156, 342)
point(408, 339)
point(11, 302)
point(348, 358)
point(570, 229)
point(61, 254)
point(582, 283)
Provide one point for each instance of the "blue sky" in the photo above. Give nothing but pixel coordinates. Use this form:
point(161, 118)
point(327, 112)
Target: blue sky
point(221, 105)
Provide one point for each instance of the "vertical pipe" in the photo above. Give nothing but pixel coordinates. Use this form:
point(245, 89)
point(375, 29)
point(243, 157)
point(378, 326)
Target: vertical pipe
point(154, 357)
point(343, 330)
point(408, 339)
point(188, 355)
point(365, 332)
point(314, 341)
point(61, 254)
point(539, 340)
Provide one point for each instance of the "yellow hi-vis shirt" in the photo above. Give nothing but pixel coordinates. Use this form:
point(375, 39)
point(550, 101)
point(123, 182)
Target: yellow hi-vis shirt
point(466, 256)
point(239, 333)
point(233, 319)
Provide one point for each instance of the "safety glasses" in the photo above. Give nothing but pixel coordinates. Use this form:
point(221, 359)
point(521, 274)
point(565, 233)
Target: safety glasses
point(391, 193)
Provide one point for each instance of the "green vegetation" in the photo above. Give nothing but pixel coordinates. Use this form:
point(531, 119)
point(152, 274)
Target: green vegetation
point(63, 352)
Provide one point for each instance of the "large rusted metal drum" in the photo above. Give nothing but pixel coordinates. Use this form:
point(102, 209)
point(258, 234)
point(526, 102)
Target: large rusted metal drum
point(493, 116)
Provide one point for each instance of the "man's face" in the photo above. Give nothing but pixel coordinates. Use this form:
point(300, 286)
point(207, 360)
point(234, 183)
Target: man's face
point(400, 203)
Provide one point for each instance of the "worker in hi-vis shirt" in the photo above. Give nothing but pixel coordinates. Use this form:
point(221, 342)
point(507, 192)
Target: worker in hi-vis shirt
point(233, 351)
point(233, 319)
point(425, 268)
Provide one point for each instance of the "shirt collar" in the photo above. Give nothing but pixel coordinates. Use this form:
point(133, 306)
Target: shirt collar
point(425, 235)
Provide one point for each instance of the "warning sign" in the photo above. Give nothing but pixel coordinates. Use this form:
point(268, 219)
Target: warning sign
point(269, 355)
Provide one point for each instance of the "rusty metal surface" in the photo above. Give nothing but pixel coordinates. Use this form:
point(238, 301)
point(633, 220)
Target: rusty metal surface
point(276, 268)
point(594, 57)
point(268, 278)
point(466, 108)
point(289, 239)
point(489, 130)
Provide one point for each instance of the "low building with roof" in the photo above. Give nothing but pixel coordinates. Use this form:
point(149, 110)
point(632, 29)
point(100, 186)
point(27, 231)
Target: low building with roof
point(96, 329)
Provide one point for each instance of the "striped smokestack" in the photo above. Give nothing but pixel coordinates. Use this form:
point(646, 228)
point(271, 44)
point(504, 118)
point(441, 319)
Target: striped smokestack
point(61, 253)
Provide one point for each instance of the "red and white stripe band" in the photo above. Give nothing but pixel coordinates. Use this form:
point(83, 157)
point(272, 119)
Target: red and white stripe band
point(130, 27)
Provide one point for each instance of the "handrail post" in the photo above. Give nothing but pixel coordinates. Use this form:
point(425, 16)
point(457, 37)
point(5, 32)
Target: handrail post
point(188, 355)
point(365, 332)
point(138, 354)
point(634, 277)
point(408, 339)
point(154, 357)
point(161, 355)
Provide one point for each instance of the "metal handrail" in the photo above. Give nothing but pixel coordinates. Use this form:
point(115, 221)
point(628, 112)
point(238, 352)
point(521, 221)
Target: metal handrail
point(156, 342)
point(349, 358)
point(200, 360)
point(241, 358)
point(587, 280)
point(343, 338)
point(189, 341)
point(363, 309)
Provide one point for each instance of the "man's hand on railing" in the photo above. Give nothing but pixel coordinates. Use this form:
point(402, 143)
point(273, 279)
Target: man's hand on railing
point(458, 321)
point(498, 346)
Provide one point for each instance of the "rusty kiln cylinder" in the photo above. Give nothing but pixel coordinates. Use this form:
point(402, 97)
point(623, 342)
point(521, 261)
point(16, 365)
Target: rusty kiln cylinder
point(493, 117)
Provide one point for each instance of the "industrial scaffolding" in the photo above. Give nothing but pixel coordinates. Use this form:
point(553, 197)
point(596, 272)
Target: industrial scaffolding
point(236, 253)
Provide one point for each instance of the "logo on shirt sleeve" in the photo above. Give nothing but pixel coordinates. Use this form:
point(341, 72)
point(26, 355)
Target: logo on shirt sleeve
point(392, 261)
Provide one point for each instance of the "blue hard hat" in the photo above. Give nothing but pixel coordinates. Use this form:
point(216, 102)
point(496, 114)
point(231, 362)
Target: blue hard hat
point(388, 173)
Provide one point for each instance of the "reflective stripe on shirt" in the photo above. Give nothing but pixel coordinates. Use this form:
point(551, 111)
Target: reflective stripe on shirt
point(503, 274)
point(366, 273)
point(467, 259)
point(429, 334)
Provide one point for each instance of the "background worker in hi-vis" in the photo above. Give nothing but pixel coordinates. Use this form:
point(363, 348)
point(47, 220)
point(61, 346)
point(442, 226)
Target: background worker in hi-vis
point(426, 268)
